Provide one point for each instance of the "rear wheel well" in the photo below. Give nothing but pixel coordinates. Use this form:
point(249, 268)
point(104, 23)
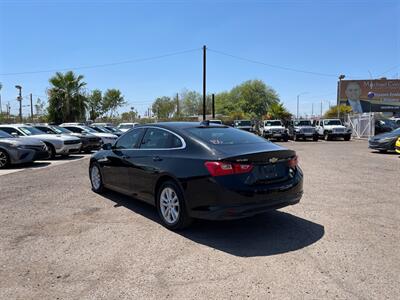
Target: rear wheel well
point(160, 181)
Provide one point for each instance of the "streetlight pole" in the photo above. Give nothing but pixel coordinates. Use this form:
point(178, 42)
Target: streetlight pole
point(298, 103)
point(19, 98)
point(338, 96)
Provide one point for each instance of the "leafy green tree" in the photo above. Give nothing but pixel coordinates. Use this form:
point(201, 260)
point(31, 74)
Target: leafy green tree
point(332, 112)
point(253, 97)
point(164, 107)
point(95, 104)
point(67, 100)
point(278, 111)
point(191, 101)
point(112, 100)
point(129, 116)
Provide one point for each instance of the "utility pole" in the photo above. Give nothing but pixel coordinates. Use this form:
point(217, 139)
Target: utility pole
point(30, 97)
point(312, 109)
point(298, 102)
point(338, 95)
point(1, 107)
point(19, 98)
point(204, 82)
point(321, 108)
point(213, 105)
point(177, 105)
point(8, 108)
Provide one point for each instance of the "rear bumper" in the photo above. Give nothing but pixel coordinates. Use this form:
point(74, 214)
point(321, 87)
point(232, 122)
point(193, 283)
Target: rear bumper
point(207, 199)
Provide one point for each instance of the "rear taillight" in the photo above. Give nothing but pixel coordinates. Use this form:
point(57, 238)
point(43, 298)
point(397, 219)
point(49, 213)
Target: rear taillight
point(219, 168)
point(293, 162)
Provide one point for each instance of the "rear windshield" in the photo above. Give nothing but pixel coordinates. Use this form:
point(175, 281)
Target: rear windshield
point(225, 136)
point(273, 123)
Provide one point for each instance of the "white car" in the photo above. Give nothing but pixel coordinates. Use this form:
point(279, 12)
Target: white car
point(274, 129)
point(107, 138)
point(333, 128)
point(56, 144)
point(124, 127)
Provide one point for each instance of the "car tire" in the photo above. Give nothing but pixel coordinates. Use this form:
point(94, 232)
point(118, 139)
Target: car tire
point(51, 150)
point(285, 139)
point(315, 138)
point(171, 206)
point(4, 159)
point(347, 138)
point(96, 179)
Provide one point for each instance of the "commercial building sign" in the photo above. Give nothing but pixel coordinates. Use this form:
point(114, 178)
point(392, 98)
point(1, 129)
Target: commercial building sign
point(381, 95)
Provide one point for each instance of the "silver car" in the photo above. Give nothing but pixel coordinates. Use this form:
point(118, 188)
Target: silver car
point(19, 151)
point(57, 144)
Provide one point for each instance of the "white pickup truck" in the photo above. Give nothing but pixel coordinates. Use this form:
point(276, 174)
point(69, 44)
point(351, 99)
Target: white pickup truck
point(274, 129)
point(333, 128)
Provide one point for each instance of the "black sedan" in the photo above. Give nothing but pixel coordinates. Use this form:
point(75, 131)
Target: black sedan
point(385, 141)
point(198, 170)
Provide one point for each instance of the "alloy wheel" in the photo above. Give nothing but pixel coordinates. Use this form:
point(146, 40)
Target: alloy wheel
point(3, 159)
point(95, 177)
point(169, 205)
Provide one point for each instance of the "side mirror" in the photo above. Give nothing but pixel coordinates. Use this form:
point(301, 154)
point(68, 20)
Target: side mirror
point(107, 146)
point(49, 132)
point(14, 134)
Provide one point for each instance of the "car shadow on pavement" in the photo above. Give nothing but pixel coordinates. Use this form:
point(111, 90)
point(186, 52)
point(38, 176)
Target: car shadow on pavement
point(32, 165)
point(266, 234)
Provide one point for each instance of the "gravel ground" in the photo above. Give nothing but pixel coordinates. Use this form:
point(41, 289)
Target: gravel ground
point(59, 240)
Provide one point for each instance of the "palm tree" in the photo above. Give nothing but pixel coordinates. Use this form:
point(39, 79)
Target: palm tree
point(278, 111)
point(67, 98)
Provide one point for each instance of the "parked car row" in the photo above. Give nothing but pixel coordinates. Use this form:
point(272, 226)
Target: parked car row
point(327, 129)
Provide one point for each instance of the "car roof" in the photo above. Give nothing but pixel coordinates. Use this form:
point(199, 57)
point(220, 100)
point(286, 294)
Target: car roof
point(180, 125)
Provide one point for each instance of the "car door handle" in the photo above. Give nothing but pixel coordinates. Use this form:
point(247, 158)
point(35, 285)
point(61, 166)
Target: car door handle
point(157, 158)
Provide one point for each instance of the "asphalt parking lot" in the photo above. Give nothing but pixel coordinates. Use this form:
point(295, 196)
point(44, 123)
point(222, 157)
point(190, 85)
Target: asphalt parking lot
point(59, 240)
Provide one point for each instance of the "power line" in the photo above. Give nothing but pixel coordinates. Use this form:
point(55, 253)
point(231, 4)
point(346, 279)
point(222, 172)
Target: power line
point(103, 65)
point(279, 66)
point(272, 65)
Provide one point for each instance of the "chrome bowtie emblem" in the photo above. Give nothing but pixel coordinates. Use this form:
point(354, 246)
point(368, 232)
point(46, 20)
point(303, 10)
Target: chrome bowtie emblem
point(273, 160)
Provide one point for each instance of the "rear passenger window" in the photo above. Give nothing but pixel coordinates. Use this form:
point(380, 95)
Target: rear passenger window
point(130, 140)
point(160, 139)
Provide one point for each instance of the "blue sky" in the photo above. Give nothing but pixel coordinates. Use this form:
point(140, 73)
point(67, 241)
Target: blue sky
point(357, 38)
